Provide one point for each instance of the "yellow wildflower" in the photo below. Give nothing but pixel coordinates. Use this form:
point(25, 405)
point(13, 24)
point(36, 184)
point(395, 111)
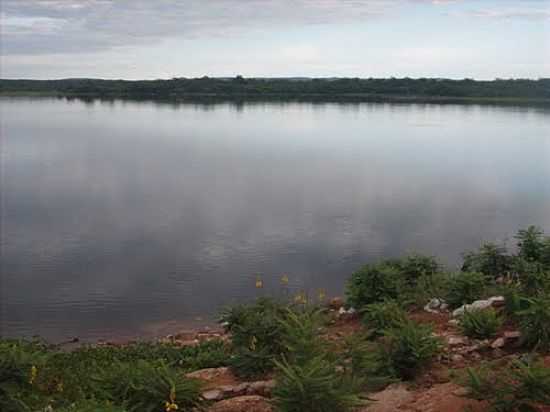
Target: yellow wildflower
point(300, 298)
point(59, 387)
point(253, 342)
point(171, 404)
point(34, 372)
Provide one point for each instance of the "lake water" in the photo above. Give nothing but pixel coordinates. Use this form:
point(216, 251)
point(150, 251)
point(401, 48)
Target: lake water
point(137, 218)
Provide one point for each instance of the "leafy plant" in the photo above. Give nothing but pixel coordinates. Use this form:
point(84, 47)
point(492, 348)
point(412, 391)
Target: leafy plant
point(531, 243)
point(533, 277)
point(465, 287)
point(257, 336)
point(374, 283)
point(416, 266)
point(490, 259)
point(314, 385)
point(535, 323)
point(363, 358)
point(409, 348)
point(480, 324)
point(520, 387)
point(383, 315)
point(146, 387)
point(300, 330)
point(20, 365)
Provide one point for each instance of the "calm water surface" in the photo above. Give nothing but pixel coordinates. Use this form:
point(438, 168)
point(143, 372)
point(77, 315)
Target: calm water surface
point(132, 218)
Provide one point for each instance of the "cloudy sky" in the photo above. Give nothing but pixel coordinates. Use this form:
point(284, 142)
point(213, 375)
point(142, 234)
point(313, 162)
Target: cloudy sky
point(365, 38)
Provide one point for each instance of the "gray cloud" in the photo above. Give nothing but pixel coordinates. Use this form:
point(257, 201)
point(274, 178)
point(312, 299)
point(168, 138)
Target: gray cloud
point(66, 26)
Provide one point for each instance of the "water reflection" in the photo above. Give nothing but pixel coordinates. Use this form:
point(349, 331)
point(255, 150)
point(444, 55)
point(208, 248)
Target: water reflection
point(119, 216)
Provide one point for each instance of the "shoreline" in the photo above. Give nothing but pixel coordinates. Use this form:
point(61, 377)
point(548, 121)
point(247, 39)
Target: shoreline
point(290, 98)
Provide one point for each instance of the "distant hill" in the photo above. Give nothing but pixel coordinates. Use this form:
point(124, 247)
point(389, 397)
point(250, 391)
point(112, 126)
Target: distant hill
point(402, 89)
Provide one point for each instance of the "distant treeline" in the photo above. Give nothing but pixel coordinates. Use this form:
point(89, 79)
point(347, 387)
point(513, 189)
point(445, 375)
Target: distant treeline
point(323, 88)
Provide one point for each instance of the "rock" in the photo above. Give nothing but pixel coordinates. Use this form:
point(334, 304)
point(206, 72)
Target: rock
point(457, 340)
point(390, 399)
point(461, 392)
point(443, 398)
point(209, 373)
point(512, 335)
point(457, 358)
point(433, 305)
point(262, 388)
point(454, 322)
point(213, 395)
point(249, 403)
point(336, 303)
point(495, 301)
point(498, 343)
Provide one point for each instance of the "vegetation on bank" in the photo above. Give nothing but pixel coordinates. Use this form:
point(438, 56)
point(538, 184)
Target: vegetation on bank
point(392, 89)
point(288, 341)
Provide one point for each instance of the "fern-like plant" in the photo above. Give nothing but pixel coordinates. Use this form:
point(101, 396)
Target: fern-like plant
point(480, 324)
point(314, 385)
point(466, 287)
point(383, 315)
point(409, 348)
point(520, 387)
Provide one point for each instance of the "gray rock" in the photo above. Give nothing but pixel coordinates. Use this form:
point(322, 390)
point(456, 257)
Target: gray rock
point(495, 301)
point(213, 395)
point(498, 343)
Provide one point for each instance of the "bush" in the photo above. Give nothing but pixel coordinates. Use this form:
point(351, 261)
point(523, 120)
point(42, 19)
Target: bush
point(416, 266)
point(146, 387)
point(531, 243)
point(465, 287)
point(480, 324)
point(313, 386)
point(490, 259)
point(257, 336)
point(300, 331)
point(374, 283)
point(520, 387)
point(363, 358)
point(532, 276)
point(409, 348)
point(535, 323)
point(383, 315)
point(20, 365)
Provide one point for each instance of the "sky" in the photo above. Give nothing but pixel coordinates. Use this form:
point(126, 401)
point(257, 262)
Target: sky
point(149, 39)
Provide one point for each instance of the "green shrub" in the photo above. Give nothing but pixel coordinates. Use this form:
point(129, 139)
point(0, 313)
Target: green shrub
point(374, 283)
point(535, 323)
point(416, 266)
point(531, 243)
point(251, 363)
point(533, 277)
point(314, 385)
point(409, 348)
point(21, 364)
point(383, 315)
point(93, 406)
point(146, 387)
point(465, 287)
point(257, 336)
point(490, 259)
point(362, 358)
point(518, 388)
point(480, 324)
point(300, 331)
